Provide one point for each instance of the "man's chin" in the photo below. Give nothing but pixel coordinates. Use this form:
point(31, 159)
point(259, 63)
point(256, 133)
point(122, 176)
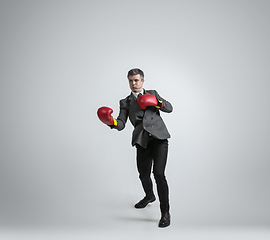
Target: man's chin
point(136, 90)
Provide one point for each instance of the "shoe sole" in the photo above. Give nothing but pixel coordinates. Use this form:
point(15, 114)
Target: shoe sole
point(166, 225)
point(138, 207)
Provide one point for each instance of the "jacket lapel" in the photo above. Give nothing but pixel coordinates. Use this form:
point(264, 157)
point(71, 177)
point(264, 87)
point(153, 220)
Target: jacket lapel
point(135, 113)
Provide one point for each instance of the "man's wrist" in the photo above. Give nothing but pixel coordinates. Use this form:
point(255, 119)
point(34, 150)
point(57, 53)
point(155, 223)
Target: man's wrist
point(159, 104)
point(115, 123)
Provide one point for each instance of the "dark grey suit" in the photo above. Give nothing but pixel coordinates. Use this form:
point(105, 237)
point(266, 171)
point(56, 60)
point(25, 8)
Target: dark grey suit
point(150, 138)
point(146, 122)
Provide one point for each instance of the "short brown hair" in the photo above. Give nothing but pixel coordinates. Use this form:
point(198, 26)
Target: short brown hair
point(135, 71)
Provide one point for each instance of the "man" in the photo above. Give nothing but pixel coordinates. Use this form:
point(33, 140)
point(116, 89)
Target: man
point(150, 135)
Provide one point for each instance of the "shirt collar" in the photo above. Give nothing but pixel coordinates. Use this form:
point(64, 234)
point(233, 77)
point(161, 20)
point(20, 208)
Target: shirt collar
point(136, 94)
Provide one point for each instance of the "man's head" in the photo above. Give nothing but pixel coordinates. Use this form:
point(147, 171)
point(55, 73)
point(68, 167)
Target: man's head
point(136, 80)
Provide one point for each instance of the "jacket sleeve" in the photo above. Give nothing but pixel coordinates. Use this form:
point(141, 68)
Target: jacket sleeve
point(123, 114)
point(167, 106)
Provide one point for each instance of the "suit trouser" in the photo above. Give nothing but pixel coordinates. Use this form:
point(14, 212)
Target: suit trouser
point(154, 155)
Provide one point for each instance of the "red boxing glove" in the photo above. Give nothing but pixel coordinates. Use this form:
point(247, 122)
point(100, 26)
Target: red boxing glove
point(148, 100)
point(104, 115)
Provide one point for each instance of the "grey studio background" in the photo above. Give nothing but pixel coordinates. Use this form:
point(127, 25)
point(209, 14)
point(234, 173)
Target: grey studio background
point(61, 168)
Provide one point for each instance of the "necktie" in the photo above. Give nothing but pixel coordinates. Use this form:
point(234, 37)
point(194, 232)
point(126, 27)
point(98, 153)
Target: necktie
point(139, 94)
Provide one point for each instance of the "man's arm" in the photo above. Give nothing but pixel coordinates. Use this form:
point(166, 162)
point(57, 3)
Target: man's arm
point(167, 106)
point(152, 99)
point(123, 115)
point(104, 114)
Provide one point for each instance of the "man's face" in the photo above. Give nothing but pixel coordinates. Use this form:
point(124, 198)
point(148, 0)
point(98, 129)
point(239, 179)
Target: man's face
point(136, 83)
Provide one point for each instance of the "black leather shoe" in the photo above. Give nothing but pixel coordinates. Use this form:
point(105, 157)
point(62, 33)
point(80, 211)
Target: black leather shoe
point(143, 203)
point(165, 220)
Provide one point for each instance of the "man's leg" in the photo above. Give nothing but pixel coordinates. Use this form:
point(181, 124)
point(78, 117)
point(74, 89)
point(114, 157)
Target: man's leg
point(160, 159)
point(144, 165)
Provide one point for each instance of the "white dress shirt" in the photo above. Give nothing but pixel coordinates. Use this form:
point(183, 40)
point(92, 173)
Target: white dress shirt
point(136, 94)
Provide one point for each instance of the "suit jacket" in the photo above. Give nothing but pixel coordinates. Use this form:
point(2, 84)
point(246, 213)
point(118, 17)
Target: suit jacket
point(146, 122)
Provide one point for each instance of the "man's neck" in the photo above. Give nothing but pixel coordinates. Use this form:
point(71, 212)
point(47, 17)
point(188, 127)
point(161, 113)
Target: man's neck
point(137, 93)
